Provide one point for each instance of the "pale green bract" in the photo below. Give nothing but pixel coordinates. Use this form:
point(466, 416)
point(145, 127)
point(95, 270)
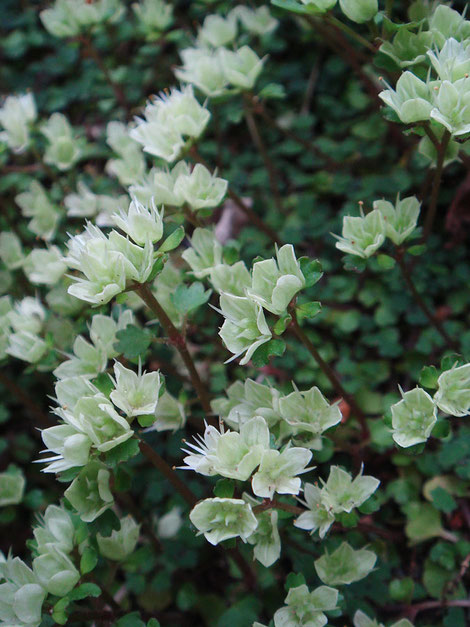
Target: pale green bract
point(44, 266)
point(400, 219)
point(155, 16)
point(453, 392)
point(345, 565)
point(122, 542)
point(220, 519)
point(257, 21)
point(306, 609)
point(202, 68)
point(362, 235)
point(89, 492)
point(413, 418)
point(411, 99)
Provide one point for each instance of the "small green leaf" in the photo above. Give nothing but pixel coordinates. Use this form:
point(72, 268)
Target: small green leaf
point(282, 323)
point(311, 269)
point(273, 348)
point(59, 613)
point(293, 580)
point(401, 589)
point(292, 6)
point(224, 488)
point(122, 452)
point(385, 262)
point(449, 361)
point(153, 622)
point(442, 500)
point(188, 298)
point(157, 266)
point(273, 91)
point(146, 420)
point(83, 591)
point(88, 560)
point(130, 620)
point(429, 376)
point(132, 341)
point(441, 429)
point(172, 241)
point(104, 383)
point(308, 310)
point(417, 250)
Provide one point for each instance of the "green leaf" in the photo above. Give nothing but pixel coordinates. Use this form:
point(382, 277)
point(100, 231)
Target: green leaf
point(273, 348)
point(122, 452)
point(132, 341)
point(273, 91)
point(311, 269)
point(417, 250)
point(130, 620)
point(153, 622)
point(88, 560)
point(282, 323)
point(424, 522)
point(294, 580)
point(429, 376)
point(441, 429)
point(59, 613)
point(146, 420)
point(157, 266)
point(385, 262)
point(442, 500)
point(224, 488)
point(104, 383)
point(172, 241)
point(449, 361)
point(308, 310)
point(401, 589)
point(188, 298)
point(84, 591)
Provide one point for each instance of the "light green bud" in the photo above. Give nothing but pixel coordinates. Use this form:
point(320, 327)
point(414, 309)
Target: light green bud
point(233, 279)
point(16, 116)
point(342, 494)
point(203, 69)
point(453, 393)
point(277, 471)
point(305, 607)
point(12, 484)
point(359, 11)
point(241, 67)
point(169, 122)
point(413, 418)
point(26, 346)
point(155, 16)
point(121, 543)
point(141, 223)
point(256, 21)
point(266, 539)
point(401, 219)
point(44, 266)
point(63, 150)
point(56, 530)
point(345, 565)
point(363, 235)
point(220, 519)
point(204, 254)
point(317, 516)
point(245, 327)
point(275, 283)
point(217, 31)
point(11, 250)
point(201, 189)
point(310, 414)
point(135, 394)
point(169, 414)
point(89, 492)
point(21, 596)
point(71, 447)
point(56, 572)
point(35, 204)
point(411, 99)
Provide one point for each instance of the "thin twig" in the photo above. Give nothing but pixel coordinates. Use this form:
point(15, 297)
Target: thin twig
point(436, 184)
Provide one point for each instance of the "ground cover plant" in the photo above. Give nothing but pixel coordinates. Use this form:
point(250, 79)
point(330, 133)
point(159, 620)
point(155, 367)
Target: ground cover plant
point(234, 306)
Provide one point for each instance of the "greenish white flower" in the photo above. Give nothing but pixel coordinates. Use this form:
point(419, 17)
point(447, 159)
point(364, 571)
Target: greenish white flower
point(362, 235)
point(204, 254)
point(103, 330)
point(28, 314)
point(135, 394)
point(408, 48)
point(445, 23)
point(234, 279)
point(452, 62)
point(452, 106)
point(278, 471)
point(87, 360)
point(309, 413)
point(159, 184)
point(68, 18)
point(203, 69)
point(453, 392)
point(44, 266)
point(201, 189)
point(21, 595)
point(257, 21)
point(237, 454)
point(89, 492)
point(413, 418)
point(122, 542)
point(362, 620)
point(36, 205)
point(241, 67)
point(63, 150)
point(169, 414)
point(56, 572)
point(401, 219)
point(155, 16)
point(16, 115)
point(170, 121)
point(55, 531)
point(141, 223)
point(266, 539)
point(411, 100)
point(130, 166)
point(345, 565)
point(71, 448)
point(26, 346)
point(276, 282)
point(69, 391)
point(305, 608)
point(318, 515)
point(12, 484)
point(342, 493)
point(218, 31)
point(169, 524)
point(245, 328)
point(164, 288)
point(11, 250)
point(220, 519)
point(87, 204)
point(359, 11)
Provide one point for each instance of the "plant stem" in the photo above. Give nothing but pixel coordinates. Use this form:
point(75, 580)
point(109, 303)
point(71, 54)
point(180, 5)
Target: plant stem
point(177, 339)
point(273, 174)
point(160, 464)
point(337, 24)
point(420, 301)
point(436, 184)
point(330, 374)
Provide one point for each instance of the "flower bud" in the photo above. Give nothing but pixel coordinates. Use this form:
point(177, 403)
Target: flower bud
point(169, 524)
point(256, 21)
point(169, 414)
point(26, 346)
point(155, 16)
point(345, 565)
